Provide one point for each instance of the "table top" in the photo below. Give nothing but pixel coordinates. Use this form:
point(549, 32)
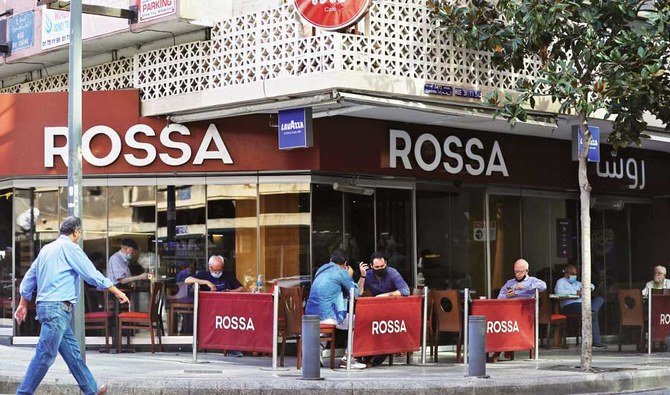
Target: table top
point(564, 296)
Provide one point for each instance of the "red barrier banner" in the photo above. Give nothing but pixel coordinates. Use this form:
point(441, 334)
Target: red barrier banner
point(387, 325)
point(235, 321)
point(660, 317)
point(510, 323)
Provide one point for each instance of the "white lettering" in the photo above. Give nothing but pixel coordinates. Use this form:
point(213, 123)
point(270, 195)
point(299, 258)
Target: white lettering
point(114, 151)
point(403, 154)
point(427, 137)
point(51, 151)
point(221, 151)
point(389, 326)
point(475, 171)
point(634, 172)
point(502, 326)
point(448, 142)
point(234, 323)
point(133, 143)
point(183, 147)
point(665, 319)
point(496, 153)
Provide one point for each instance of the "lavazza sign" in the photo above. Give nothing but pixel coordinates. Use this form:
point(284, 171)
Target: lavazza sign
point(219, 150)
point(474, 161)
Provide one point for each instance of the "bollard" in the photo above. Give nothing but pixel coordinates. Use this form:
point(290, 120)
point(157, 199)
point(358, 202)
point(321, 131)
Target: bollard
point(311, 349)
point(477, 346)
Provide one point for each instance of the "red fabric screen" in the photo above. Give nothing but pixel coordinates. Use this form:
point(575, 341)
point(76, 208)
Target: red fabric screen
point(510, 323)
point(660, 317)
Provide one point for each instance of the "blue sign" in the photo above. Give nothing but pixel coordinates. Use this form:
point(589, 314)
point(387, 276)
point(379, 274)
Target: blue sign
point(468, 93)
point(21, 29)
point(430, 88)
point(594, 147)
point(295, 128)
point(185, 193)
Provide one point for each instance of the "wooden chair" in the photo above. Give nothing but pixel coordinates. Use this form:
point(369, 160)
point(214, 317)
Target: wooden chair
point(140, 320)
point(631, 312)
point(97, 319)
point(177, 305)
point(448, 315)
point(548, 318)
point(291, 305)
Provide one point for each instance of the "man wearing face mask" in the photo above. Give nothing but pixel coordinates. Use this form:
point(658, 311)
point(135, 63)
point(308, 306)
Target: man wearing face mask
point(215, 278)
point(118, 270)
point(522, 285)
point(380, 279)
point(569, 286)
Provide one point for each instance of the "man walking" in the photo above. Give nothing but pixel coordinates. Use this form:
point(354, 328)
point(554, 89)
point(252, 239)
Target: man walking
point(55, 275)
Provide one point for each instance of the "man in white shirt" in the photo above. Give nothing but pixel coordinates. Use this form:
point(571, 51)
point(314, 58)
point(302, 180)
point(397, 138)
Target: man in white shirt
point(659, 281)
point(569, 286)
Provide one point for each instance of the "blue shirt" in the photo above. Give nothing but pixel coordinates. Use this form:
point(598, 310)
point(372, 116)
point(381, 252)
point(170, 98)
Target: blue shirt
point(530, 284)
point(326, 297)
point(117, 267)
point(56, 270)
point(563, 287)
point(391, 282)
point(226, 282)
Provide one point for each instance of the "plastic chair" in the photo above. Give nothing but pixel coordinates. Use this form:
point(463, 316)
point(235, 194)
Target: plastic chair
point(291, 304)
point(139, 320)
point(448, 315)
point(98, 319)
point(548, 318)
point(632, 314)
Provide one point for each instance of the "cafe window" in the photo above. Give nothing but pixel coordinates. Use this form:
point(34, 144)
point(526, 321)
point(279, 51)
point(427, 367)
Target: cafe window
point(394, 230)
point(327, 225)
point(6, 285)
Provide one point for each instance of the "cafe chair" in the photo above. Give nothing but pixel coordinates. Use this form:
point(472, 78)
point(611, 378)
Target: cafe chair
point(6, 306)
point(178, 304)
point(631, 312)
point(144, 320)
point(551, 320)
point(291, 304)
point(97, 319)
point(448, 315)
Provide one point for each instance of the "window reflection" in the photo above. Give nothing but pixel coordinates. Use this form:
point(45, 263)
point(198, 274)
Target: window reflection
point(394, 230)
point(326, 222)
point(6, 199)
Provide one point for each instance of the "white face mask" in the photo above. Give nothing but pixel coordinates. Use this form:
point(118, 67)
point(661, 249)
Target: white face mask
point(216, 275)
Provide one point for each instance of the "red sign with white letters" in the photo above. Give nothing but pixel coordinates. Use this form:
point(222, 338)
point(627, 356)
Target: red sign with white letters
point(332, 14)
point(510, 323)
point(660, 317)
point(387, 325)
point(235, 321)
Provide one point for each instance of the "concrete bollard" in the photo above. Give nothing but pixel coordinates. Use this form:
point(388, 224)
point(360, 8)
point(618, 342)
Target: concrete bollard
point(311, 349)
point(477, 346)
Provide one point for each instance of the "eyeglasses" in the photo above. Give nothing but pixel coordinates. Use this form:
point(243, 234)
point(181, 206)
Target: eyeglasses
point(658, 273)
point(520, 271)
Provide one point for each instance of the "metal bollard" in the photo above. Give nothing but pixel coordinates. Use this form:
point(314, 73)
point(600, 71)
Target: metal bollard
point(311, 350)
point(477, 346)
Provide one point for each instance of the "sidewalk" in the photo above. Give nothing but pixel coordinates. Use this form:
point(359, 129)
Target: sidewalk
point(174, 373)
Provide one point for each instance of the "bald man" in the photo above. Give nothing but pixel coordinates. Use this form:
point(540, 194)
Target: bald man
point(522, 285)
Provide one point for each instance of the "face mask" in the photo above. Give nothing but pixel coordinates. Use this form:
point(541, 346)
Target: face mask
point(381, 272)
point(517, 280)
point(216, 275)
point(572, 279)
point(126, 256)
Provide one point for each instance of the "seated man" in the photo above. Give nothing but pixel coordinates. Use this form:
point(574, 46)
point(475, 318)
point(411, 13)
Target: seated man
point(118, 268)
point(326, 297)
point(569, 285)
point(659, 281)
point(381, 281)
point(217, 280)
point(522, 285)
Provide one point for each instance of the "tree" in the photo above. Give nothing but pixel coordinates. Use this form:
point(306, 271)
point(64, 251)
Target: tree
point(611, 56)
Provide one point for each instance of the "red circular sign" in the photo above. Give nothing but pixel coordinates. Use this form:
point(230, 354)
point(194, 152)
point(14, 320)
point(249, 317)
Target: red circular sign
point(332, 14)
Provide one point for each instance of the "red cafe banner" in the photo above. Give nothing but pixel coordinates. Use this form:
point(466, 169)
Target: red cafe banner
point(510, 323)
point(332, 14)
point(387, 325)
point(235, 321)
point(660, 317)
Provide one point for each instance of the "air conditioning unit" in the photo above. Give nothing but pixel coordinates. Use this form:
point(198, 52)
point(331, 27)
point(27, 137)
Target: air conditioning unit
point(607, 203)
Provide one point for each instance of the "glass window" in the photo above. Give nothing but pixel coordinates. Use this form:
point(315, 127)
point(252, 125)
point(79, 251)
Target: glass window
point(505, 238)
point(232, 228)
point(327, 225)
point(6, 199)
point(394, 230)
point(284, 230)
point(359, 228)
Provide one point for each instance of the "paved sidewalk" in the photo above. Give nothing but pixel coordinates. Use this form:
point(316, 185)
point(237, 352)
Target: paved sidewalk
point(173, 373)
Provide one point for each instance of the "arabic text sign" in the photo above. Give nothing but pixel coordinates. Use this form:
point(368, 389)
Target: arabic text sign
point(21, 29)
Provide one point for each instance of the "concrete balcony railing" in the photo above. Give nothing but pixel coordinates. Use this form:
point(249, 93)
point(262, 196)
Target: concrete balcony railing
point(271, 54)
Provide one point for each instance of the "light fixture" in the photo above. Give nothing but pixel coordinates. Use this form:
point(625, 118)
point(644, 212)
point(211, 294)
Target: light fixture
point(660, 137)
point(355, 189)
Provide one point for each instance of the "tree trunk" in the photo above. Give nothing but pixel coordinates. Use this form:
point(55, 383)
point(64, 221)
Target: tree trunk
point(585, 201)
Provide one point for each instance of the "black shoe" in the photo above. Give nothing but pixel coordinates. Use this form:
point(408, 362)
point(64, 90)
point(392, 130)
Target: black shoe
point(600, 346)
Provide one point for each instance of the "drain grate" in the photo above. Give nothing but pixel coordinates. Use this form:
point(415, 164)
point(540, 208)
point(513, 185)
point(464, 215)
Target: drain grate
point(203, 371)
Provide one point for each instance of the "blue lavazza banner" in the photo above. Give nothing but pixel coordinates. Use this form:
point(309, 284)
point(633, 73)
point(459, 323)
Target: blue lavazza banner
point(295, 128)
point(21, 28)
point(594, 148)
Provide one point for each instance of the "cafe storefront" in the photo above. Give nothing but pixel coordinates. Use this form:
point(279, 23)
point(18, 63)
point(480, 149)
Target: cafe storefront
point(451, 208)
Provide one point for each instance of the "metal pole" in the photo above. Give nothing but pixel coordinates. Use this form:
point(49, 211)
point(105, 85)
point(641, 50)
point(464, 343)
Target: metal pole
point(466, 307)
point(537, 323)
point(649, 321)
point(196, 297)
point(74, 169)
point(275, 325)
point(425, 325)
point(350, 334)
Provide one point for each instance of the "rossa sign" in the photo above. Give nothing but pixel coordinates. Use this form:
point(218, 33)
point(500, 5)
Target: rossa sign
point(332, 14)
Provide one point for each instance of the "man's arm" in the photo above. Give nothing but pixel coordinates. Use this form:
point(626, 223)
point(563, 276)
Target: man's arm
point(139, 277)
point(363, 267)
point(540, 285)
point(80, 263)
point(400, 285)
point(29, 282)
point(195, 280)
point(562, 288)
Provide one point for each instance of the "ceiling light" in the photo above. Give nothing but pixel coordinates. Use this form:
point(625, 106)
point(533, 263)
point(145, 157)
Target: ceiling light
point(355, 189)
